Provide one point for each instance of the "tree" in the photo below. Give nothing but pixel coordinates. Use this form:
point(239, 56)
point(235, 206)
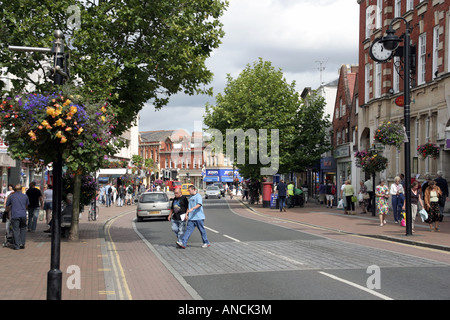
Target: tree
point(311, 140)
point(39, 127)
point(134, 51)
point(260, 98)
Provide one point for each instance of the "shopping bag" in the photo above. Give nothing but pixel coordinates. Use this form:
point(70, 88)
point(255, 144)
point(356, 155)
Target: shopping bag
point(340, 204)
point(41, 215)
point(403, 223)
point(423, 215)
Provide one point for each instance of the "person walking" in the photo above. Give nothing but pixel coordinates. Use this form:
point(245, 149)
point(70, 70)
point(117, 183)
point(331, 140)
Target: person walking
point(322, 192)
point(120, 195)
point(178, 209)
point(416, 198)
point(431, 198)
point(196, 219)
point(282, 192)
point(369, 188)
point(290, 190)
point(364, 200)
point(381, 201)
point(18, 216)
point(329, 194)
point(36, 202)
point(443, 185)
point(398, 197)
point(48, 203)
point(349, 192)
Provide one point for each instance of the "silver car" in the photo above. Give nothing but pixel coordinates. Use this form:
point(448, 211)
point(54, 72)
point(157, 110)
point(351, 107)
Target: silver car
point(152, 205)
point(212, 191)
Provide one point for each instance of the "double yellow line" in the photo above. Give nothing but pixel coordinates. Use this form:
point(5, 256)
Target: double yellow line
point(122, 290)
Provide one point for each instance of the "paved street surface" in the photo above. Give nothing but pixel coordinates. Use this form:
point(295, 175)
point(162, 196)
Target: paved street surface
point(256, 253)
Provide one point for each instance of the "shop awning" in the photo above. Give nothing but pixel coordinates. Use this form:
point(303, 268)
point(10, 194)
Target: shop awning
point(211, 179)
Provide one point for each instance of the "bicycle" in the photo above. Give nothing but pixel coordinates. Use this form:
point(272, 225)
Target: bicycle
point(94, 210)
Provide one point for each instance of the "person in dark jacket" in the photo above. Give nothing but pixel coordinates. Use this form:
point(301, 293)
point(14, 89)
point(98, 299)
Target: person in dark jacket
point(441, 182)
point(177, 214)
point(19, 203)
point(282, 193)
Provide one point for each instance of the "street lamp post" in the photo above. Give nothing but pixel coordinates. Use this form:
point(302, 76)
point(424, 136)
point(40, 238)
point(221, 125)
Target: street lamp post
point(391, 42)
point(54, 276)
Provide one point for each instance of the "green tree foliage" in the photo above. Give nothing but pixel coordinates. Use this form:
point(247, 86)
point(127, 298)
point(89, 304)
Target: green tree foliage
point(134, 51)
point(261, 98)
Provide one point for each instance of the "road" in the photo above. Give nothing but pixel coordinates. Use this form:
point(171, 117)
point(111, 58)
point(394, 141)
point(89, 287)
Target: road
point(256, 260)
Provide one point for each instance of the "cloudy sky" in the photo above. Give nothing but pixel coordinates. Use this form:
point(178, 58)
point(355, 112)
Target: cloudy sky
point(295, 35)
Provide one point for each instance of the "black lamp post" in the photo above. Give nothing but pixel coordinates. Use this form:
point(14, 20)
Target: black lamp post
point(391, 42)
point(54, 276)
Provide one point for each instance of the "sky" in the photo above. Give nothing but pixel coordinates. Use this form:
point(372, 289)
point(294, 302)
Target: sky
point(297, 36)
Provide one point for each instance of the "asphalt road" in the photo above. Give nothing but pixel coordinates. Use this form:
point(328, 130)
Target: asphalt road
point(254, 260)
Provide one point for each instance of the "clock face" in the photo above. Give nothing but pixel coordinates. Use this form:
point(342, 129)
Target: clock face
point(378, 52)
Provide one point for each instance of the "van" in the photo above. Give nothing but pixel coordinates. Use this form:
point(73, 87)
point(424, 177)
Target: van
point(173, 184)
point(184, 189)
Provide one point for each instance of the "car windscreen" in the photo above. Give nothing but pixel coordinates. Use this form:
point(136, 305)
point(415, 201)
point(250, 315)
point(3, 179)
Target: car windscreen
point(153, 197)
point(212, 188)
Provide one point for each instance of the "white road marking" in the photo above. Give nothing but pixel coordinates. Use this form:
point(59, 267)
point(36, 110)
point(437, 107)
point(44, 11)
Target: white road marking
point(373, 292)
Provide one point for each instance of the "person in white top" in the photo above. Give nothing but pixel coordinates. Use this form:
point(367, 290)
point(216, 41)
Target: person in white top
point(48, 202)
point(398, 197)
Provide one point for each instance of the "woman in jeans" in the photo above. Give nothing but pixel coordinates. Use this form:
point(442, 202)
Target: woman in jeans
point(416, 198)
point(398, 197)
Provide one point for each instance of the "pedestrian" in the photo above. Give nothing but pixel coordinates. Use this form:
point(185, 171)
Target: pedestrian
point(129, 195)
point(18, 216)
point(245, 191)
point(443, 185)
point(322, 192)
point(120, 195)
point(36, 202)
point(416, 198)
point(290, 190)
point(398, 197)
point(48, 203)
point(381, 201)
point(349, 193)
point(108, 194)
point(196, 219)
point(369, 188)
point(282, 192)
point(177, 215)
point(102, 195)
point(329, 194)
point(431, 199)
point(425, 184)
point(364, 197)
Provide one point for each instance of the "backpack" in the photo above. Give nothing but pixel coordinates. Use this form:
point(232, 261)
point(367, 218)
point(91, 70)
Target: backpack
point(333, 189)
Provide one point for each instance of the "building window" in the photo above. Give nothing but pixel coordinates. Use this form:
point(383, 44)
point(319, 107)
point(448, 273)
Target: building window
point(409, 5)
point(378, 80)
point(337, 113)
point(398, 8)
point(338, 138)
point(416, 134)
point(422, 58)
point(435, 51)
point(396, 75)
point(371, 16)
point(341, 107)
point(379, 14)
point(367, 83)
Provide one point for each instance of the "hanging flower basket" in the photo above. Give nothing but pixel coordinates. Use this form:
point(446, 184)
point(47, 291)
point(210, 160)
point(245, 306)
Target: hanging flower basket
point(370, 161)
point(428, 150)
point(391, 134)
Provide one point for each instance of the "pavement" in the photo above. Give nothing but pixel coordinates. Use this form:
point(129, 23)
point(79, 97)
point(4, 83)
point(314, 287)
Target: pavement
point(112, 261)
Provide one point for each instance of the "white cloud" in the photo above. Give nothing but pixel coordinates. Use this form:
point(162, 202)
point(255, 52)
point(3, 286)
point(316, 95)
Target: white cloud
point(292, 34)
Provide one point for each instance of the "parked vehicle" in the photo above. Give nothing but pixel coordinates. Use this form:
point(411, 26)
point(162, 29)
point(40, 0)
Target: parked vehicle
point(173, 184)
point(212, 192)
point(152, 205)
point(221, 188)
point(184, 189)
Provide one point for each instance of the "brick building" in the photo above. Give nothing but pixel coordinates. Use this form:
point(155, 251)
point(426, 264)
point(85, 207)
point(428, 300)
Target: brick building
point(345, 126)
point(380, 84)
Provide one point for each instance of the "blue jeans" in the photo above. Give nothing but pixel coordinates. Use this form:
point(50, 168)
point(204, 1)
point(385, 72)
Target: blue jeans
point(178, 227)
point(282, 202)
point(33, 214)
point(191, 225)
point(397, 204)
